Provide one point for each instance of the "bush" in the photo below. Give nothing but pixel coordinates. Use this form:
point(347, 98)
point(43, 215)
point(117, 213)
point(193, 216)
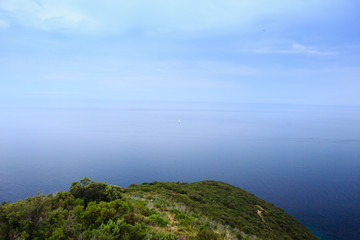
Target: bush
point(207, 234)
point(97, 213)
point(160, 236)
point(132, 218)
point(158, 220)
point(89, 190)
point(141, 208)
point(58, 234)
point(113, 192)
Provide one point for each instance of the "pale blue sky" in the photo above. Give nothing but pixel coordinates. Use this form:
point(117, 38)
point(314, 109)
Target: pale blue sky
point(302, 52)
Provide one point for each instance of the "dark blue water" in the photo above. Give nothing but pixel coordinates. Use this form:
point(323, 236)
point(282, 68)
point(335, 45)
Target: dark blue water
point(305, 159)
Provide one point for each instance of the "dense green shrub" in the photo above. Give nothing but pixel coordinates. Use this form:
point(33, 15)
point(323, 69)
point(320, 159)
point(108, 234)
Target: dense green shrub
point(206, 234)
point(98, 213)
point(93, 210)
point(158, 220)
point(152, 235)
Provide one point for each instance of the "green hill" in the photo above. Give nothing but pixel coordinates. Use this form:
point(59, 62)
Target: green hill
point(203, 210)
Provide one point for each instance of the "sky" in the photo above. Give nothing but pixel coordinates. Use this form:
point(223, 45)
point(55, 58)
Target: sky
point(280, 51)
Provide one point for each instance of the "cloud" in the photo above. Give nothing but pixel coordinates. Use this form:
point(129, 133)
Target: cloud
point(294, 48)
point(43, 14)
point(3, 24)
point(147, 15)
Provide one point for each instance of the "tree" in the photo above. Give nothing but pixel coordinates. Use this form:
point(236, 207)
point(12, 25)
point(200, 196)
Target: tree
point(94, 191)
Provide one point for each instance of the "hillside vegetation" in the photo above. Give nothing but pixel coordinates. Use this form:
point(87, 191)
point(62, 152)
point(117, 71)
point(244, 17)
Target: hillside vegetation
point(207, 210)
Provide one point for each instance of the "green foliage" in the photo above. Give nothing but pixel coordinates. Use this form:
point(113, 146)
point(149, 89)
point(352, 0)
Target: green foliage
point(133, 218)
point(228, 205)
point(158, 220)
point(141, 208)
point(164, 211)
point(152, 235)
point(98, 213)
point(113, 192)
point(119, 230)
point(23, 217)
point(58, 234)
point(207, 234)
point(89, 190)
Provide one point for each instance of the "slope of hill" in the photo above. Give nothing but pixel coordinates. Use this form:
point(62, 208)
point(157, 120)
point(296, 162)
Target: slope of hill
point(202, 210)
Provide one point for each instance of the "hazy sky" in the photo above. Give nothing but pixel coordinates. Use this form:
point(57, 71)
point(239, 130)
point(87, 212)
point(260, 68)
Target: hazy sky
point(297, 51)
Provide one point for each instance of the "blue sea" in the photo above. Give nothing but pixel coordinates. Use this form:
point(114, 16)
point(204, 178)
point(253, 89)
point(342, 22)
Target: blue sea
point(302, 158)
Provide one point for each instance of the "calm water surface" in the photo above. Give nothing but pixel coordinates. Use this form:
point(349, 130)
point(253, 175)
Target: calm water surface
point(305, 159)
